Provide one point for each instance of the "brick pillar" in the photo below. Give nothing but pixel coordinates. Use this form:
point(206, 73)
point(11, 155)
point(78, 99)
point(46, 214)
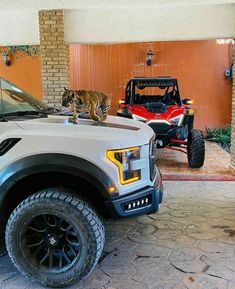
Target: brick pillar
point(233, 117)
point(54, 56)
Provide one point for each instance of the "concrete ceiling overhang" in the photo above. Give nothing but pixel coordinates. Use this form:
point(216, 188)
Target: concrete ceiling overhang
point(101, 4)
point(112, 21)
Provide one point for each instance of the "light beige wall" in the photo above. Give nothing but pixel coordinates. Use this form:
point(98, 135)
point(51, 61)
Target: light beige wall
point(110, 21)
point(18, 27)
point(83, 4)
point(150, 24)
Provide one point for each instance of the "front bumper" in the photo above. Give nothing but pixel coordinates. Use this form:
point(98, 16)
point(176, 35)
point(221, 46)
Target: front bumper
point(144, 201)
point(164, 131)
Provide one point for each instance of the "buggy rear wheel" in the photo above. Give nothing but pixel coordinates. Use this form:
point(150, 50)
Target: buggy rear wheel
point(54, 238)
point(196, 149)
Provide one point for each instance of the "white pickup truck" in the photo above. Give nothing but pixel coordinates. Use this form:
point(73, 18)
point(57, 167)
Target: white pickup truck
point(57, 179)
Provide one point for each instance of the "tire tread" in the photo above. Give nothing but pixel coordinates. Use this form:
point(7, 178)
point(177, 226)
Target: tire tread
point(89, 216)
point(196, 149)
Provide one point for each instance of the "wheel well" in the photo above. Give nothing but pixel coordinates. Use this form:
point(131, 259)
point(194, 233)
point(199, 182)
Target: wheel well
point(189, 120)
point(34, 183)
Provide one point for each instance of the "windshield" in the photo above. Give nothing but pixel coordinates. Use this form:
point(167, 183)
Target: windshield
point(14, 99)
point(145, 90)
point(165, 95)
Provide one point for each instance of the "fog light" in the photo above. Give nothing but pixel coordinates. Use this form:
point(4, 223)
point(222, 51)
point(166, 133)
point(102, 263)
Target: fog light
point(138, 203)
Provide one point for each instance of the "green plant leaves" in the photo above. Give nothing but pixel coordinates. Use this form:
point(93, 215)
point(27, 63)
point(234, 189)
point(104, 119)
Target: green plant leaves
point(29, 50)
point(221, 136)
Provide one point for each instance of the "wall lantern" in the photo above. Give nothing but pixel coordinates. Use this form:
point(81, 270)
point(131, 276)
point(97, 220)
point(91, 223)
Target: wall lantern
point(6, 58)
point(150, 55)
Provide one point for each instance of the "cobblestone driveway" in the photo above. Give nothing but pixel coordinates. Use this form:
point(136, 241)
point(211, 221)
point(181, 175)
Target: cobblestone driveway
point(189, 244)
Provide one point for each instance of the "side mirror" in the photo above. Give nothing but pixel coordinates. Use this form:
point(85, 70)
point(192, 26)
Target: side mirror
point(187, 101)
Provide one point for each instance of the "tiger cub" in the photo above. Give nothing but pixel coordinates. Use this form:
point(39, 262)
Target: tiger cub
point(94, 102)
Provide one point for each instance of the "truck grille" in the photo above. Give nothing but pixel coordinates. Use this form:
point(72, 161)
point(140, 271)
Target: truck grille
point(152, 159)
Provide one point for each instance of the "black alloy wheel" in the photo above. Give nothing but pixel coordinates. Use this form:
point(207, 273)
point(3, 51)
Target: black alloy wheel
point(54, 237)
point(50, 243)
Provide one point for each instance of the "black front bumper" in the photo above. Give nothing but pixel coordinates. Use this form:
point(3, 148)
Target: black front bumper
point(144, 201)
point(164, 132)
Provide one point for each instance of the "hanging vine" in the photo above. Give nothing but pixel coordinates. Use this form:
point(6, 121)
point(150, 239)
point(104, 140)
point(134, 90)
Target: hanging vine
point(29, 50)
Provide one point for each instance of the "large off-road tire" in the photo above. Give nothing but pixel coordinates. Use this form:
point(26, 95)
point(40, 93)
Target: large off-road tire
point(196, 149)
point(3, 250)
point(54, 238)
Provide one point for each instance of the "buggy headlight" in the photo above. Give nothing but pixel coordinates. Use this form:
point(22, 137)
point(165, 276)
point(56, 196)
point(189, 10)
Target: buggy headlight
point(124, 159)
point(177, 120)
point(137, 117)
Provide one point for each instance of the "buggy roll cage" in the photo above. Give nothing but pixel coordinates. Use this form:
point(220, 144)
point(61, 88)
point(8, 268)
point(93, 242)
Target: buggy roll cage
point(142, 82)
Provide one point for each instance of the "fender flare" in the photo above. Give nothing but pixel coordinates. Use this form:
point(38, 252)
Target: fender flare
point(55, 162)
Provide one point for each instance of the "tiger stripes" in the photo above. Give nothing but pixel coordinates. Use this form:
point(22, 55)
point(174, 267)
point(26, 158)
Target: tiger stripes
point(96, 103)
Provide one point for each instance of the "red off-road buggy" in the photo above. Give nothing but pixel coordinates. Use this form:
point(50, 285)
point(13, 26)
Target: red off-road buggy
point(157, 102)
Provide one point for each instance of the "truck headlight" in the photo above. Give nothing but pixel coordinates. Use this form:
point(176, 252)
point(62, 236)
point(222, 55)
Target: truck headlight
point(123, 159)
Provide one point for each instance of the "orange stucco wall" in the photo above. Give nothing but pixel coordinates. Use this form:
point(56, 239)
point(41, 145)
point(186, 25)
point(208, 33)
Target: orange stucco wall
point(24, 71)
point(198, 65)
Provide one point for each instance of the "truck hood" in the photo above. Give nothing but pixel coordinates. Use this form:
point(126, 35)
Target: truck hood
point(124, 131)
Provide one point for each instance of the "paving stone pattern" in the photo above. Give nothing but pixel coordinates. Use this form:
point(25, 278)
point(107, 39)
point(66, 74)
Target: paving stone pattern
point(188, 245)
point(175, 163)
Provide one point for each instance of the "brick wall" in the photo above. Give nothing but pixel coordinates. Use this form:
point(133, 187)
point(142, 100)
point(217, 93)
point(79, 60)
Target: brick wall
point(54, 56)
point(233, 117)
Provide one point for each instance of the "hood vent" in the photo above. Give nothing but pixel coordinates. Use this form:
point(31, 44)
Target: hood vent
point(7, 144)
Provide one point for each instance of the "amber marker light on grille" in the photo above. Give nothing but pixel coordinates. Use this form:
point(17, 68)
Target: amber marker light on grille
point(122, 158)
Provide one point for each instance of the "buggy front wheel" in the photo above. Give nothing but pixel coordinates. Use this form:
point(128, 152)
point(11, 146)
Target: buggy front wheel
point(196, 149)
